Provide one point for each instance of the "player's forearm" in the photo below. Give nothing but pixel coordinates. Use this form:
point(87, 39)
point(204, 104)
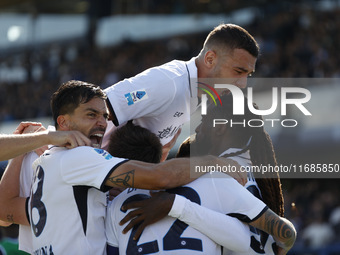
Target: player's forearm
point(169, 174)
point(137, 174)
point(181, 171)
point(286, 234)
point(281, 229)
point(10, 181)
point(15, 145)
point(14, 211)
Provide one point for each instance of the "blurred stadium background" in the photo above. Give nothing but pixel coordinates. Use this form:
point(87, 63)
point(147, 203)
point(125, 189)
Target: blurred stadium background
point(44, 43)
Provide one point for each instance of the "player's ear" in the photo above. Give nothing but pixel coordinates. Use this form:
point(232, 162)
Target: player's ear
point(63, 122)
point(210, 59)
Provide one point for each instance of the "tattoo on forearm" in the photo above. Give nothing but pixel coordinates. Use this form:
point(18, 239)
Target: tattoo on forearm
point(278, 227)
point(10, 218)
point(125, 180)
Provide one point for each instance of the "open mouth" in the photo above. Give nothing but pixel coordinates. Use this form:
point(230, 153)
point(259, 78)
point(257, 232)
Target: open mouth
point(96, 140)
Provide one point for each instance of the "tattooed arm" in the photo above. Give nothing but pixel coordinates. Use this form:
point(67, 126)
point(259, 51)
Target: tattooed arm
point(280, 228)
point(169, 174)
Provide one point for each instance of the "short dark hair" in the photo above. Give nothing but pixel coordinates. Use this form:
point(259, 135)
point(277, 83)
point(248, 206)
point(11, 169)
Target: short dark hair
point(70, 95)
point(232, 37)
point(184, 149)
point(134, 142)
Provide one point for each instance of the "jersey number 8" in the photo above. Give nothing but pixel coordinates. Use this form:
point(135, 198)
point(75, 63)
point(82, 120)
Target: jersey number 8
point(38, 204)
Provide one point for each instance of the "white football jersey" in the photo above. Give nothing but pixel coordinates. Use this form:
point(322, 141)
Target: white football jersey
point(257, 246)
point(66, 208)
point(216, 191)
point(159, 99)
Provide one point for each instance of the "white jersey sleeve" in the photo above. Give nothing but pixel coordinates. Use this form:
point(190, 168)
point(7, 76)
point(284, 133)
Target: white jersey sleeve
point(26, 180)
point(146, 95)
point(26, 174)
point(96, 165)
point(235, 200)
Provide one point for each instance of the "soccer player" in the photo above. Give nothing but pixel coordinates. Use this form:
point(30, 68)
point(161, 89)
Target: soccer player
point(162, 98)
point(139, 143)
point(16, 144)
point(249, 146)
point(66, 208)
point(30, 136)
point(24, 162)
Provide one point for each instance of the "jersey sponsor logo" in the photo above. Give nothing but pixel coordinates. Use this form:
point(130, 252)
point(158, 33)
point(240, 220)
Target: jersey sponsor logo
point(178, 114)
point(168, 132)
point(44, 251)
point(104, 153)
point(136, 96)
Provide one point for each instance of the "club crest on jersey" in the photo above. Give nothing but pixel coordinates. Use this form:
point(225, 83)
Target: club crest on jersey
point(136, 96)
point(105, 154)
point(167, 132)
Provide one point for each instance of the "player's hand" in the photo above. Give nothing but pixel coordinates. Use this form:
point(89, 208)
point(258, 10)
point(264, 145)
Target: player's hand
point(35, 129)
point(68, 139)
point(238, 175)
point(113, 192)
point(167, 147)
point(32, 129)
point(149, 211)
point(25, 124)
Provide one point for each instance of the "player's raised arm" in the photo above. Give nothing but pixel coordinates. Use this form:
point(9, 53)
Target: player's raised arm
point(18, 143)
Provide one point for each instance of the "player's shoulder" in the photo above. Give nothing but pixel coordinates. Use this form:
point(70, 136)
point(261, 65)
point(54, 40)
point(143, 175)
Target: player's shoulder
point(128, 195)
point(87, 151)
point(176, 67)
point(78, 154)
point(49, 155)
point(172, 69)
point(179, 64)
point(82, 149)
